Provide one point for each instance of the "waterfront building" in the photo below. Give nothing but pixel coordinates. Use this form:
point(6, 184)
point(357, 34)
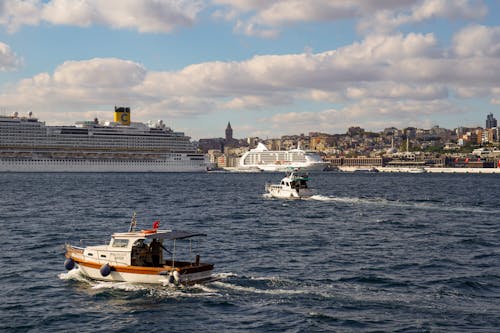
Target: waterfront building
point(362, 161)
point(211, 144)
point(491, 121)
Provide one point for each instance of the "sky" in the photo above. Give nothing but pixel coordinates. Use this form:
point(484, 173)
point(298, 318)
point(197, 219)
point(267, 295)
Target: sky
point(269, 67)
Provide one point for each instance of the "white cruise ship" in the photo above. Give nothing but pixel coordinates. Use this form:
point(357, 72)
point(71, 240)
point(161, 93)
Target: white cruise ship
point(28, 145)
point(263, 159)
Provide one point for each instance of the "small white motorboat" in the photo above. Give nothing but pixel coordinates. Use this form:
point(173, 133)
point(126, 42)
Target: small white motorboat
point(140, 257)
point(292, 186)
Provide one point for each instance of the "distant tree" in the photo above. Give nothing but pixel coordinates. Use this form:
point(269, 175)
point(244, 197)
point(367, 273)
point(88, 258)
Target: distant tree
point(434, 149)
point(468, 147)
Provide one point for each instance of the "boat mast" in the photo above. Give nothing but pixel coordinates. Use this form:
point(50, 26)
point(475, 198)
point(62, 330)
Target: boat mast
point(133, 223)
point(173, 257)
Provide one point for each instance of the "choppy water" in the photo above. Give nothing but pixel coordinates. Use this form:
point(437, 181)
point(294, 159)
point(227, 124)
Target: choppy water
point(370, 252)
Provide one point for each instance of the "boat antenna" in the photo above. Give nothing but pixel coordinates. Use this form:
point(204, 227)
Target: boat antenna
point(133, 223)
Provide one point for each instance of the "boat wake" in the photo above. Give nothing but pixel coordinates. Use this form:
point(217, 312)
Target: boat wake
point(253, 290)
point(259, 286)
point(223, 284)
point(424, 205)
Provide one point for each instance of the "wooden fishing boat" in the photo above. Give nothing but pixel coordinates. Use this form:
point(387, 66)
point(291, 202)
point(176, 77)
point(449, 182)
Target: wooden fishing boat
point(140, 257)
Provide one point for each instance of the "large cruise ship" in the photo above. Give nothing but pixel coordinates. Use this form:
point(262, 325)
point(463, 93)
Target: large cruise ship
point(263, 159)
point(28, 145)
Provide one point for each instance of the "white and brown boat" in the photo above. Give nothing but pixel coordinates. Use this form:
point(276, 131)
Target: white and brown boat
point(140, 257)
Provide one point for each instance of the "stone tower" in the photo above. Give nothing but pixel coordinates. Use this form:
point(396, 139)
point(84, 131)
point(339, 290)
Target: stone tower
point(229, 133)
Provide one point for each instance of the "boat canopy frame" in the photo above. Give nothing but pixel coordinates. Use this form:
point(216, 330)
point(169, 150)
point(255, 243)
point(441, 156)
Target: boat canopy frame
point(173, 235)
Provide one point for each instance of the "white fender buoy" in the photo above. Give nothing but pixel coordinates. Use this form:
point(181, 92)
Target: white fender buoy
point(69, 264)
point(105, 270)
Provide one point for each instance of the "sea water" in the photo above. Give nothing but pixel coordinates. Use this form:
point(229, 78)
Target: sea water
point(368, 253)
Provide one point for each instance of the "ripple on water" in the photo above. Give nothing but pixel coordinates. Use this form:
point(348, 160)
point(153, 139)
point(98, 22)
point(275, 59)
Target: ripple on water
point(367, 253)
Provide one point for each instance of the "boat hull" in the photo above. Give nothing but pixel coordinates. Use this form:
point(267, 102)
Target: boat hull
point(149, 275)
point(277, 191)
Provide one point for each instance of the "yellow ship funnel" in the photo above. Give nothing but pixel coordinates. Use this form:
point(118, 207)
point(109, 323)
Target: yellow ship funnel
point(122, 115)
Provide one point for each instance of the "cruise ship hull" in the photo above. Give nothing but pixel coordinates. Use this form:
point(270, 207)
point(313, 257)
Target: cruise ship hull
point(286, 167)
point(111, 165)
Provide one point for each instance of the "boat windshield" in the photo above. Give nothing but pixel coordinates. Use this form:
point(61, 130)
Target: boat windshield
point(119, 242)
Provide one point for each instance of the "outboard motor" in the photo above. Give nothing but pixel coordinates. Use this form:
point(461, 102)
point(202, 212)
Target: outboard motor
point(174, 278)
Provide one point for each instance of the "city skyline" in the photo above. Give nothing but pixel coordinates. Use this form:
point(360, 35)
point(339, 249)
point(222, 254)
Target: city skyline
point(489, 119)
point(269, 68)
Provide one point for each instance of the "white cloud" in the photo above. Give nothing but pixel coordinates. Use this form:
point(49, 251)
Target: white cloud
point(495, 91)
point(182, 106)
point(477, 40)
point(472, 92)
point(368, 114)
point(9, 61)
point(390, 48)
point(70, 12)
point(252, 29)
point(282, 12)
point(388, 19)
point(142, 15)
point(94, 81)
point(397, 91)
point(405, 76)
point(14, 13)
point(253, 102)
point(260, 18)
point(100, 73)
point(285, 12)
point(451, 9)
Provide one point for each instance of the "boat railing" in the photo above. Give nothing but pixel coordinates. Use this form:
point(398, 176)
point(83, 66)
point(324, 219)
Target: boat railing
point(269, 186)
point(83, 242)
point(73, 248)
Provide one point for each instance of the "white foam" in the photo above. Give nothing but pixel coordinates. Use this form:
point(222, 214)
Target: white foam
point(320, 198)
point(220, 276)
point(73, 274)
point(402, 204)
point(253, 290)
point(206, 289)
point(167, 291)
point(125, 286)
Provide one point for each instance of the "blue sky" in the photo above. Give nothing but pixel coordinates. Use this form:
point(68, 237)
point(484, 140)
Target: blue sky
point(270, 67)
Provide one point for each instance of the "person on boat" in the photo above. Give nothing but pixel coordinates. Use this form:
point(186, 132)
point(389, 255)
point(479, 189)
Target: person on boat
point(156, 252)
point(139, 253)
